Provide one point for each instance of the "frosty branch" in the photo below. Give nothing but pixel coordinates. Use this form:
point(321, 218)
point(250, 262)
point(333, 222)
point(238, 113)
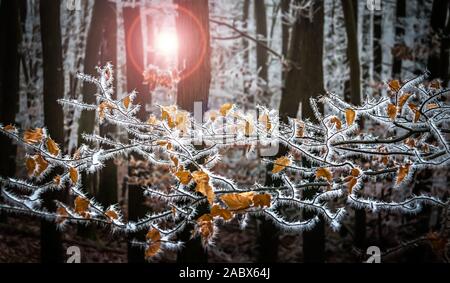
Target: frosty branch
point(335, 156)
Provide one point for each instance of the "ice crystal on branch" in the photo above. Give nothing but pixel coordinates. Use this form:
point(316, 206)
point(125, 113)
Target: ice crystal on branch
point(341, 156)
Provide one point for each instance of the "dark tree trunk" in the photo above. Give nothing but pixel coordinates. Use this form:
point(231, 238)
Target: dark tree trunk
point(135, 68)
point(245, 45)
point(306, 54)
point(377, 48)
point(285, 32)
point(10, 35)
point(267, 231)
point(353, 95)
point(436, 62)
point(107, 191)
point(399, 33)
point(194, 87)
point(445, 52)
point(51, 246)
point(194, 55)
point(261, 53)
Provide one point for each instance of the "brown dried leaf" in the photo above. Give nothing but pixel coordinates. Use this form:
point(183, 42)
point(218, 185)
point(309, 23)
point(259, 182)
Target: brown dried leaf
point(238, 201)
point(216, 210)
point(350, 116)
point(351, 184)
point(30, 163)
point(392, 111)
point(81, 205)
point(394, 85)
point(52, 147)
point(225, 108)
point(33, 136)
point(325, 173)
point(281, 163)
point(402, 173)
point(73, 172)
point(262, 200)
point(337, 122)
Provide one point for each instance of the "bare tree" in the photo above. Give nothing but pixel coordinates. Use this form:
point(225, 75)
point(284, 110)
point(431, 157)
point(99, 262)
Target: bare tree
point(51, 246)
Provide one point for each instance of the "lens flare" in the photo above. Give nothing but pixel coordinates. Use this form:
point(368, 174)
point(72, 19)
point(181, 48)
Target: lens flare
point(166, 43)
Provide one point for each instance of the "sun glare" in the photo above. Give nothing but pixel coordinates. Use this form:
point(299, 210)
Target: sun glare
point(166, 43)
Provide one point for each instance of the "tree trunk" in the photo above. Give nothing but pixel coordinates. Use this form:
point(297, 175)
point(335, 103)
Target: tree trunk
point(438, 25)
point(306, 53)
point(194, 56)
point(135, 68)
point(263, 97)
point(107, 191)
point(353, 95)
point(51, 246)
point(10, 35)
point(399, 33)
point(377, 48)
point(285, 9)
point(245, 46)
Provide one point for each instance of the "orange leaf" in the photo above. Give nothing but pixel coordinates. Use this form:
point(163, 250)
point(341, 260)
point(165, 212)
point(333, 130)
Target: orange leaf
point(402, 173)
point(402, 100)
point(153, 235)
point(73, 175)
point(355, 172)
point(238, 201)
point(111, 214)
point(351, 184)
point(152, 250)
point(281, 163)
point(52, 147)
point(81, 205)
point(200, 177)
point(126, 102)
point(206, 227)
point(42, 164)
point(392, 111)
point(350, 116)
point(414, 109)
point(33, 136)
point(337, 122)
point(262, 200)
point(30, 163)
point(216, 210)
point(225, 108)
point(205, 189)
point(325, 173)
point(184, 176)
point(394, 85)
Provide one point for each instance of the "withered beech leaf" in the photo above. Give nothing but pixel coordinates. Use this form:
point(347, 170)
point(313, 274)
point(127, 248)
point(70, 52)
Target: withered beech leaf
point(52, 147)
point(33, 136)
point(324, 173)
point(81, 205)
point(225, 108)
point(392, 111)
point(402, 173)
point(73, 172)
point(351, 184)
point(238, 201)
point(216, 210)
point(394, 85)
point(350, 116)
point(337, 122)
point(281, 163)
point(262, 200)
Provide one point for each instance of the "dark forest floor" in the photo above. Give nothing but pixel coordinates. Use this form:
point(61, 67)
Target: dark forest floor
point(20, 242)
